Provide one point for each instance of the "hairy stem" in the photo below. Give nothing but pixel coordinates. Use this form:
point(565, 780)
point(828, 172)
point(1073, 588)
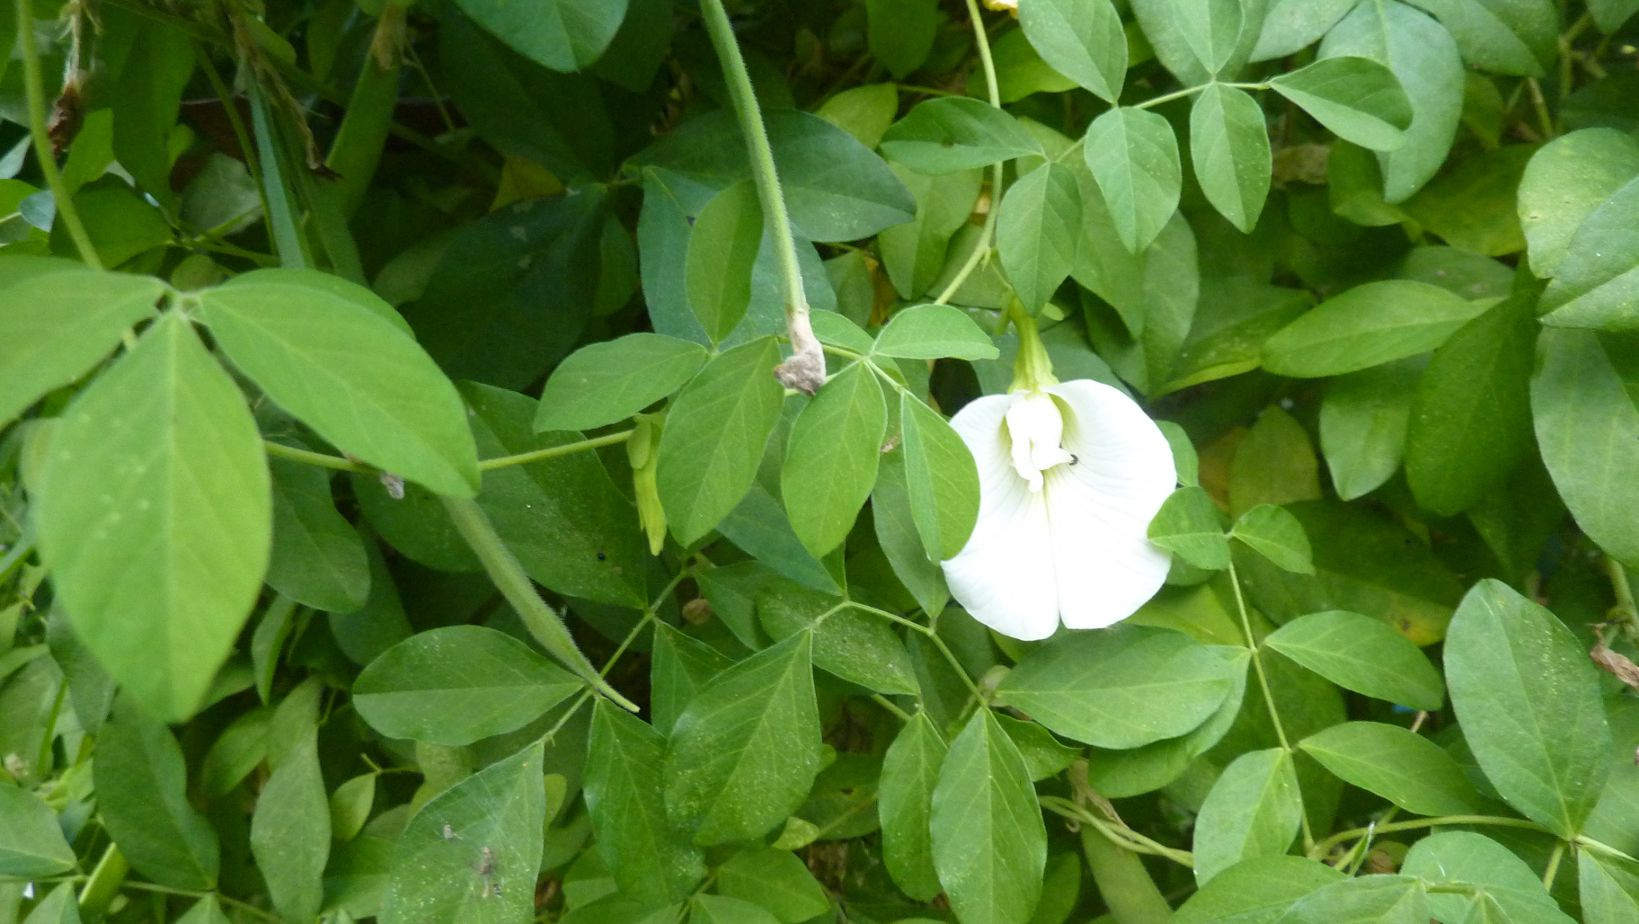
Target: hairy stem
point(805, 370)
point(34, 89)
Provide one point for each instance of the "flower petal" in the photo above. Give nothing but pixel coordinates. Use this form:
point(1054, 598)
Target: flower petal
point(1101, 507)
point(1004, 575)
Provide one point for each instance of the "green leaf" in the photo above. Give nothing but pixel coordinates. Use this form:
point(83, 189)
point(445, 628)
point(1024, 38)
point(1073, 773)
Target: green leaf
point(142, 799)
point(1293, 25)
point(58, 319)
point(207, 910)
point(509, 293)
point(1044, 755)
point(900, 33)
point(1362, 654)
point(1597, 284)
point(1587, 423)
point(1505, 887)
point(910, 770)
point(563, 35)
point(58, 907)
point(864, 112)
point(1564, 182)
point(1528, 701)
point(1608, 888)
point(1229, 149)
point(471, 855)
point(154, 517)
point(901, 544)
point(326, 354)
point(831, 459)
point(1081, 39)
point(722, 248)
point(835, 187)
point(1501, 36)
point(714, 437)
point(858, 647)
point(1358, 98)
point(650, 859)
point(1383, 899)
point(1471, 419)
point(1368, 325)
point(989, 843)
point(775, 879)
point(680, 665)
point(34, 845)
point(721, 909)
point(933, 332)
point(145, 104)
point(290, 832)
point(1609, 15)
point(456, 684)
point(1273, 532)
point(1422, 55)
point(1133, 156)
point(1211, 29)
point(745, 752)
point(914, 253)
point(318, 559)
point(954, 133)
point(1190, 526)
point(1405, 768)
point(1118, 688)
point(1363, 421)
point(1274, 464)
point(942, 478)
point(1253, 810)
point(1255, 891)
point(569, 525)
point(607, 382)
point(1036, 232)
point(350, 805)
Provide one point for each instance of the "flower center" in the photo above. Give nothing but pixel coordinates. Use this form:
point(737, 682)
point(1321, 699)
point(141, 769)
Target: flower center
point(1036, 428)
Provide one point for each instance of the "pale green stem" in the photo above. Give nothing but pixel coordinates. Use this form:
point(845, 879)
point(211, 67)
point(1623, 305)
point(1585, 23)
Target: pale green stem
point(34, 89)
point(553, 452)
point(805, 370)
point(1264, 685)
point(981, 248)
point(514, 584)
point(1552, 872)
point(1324, 847)
point(104, 883)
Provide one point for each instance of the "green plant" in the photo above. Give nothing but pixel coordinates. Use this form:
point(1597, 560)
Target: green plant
point(310, 608)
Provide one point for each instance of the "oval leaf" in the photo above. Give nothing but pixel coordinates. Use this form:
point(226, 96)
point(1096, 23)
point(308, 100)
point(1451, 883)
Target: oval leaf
point(1366, 326)
point(1402, 767)
point(1118, 688)
point(1528, 700)
point(933, 332)
point(457, 684)
point(831, 459)
point(1133, 155)
point(1253, 810)
point(723, 246)
point(604, 383)
point(1362, 654)
point(328, 356)
point(155, 517)
point(1357, 98)
point(954, 133)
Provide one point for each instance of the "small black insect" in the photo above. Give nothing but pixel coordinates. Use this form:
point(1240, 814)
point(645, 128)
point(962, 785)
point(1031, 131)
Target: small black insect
point(1074, 458)
point(602, 556)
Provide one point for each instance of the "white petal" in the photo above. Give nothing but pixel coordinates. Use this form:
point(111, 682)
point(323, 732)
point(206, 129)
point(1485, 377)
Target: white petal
point(1004, 575)
point(1101, 507)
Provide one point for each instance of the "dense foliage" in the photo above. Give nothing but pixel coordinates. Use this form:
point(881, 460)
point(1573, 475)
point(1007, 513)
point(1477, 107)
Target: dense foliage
point(475, 460)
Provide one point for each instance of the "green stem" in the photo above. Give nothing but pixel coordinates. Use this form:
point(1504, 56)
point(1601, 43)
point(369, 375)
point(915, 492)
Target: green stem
point(309, 457)
point(805, 370)
point(553, 452)
point(1552, 872)
point(1324, 847)
point(932, 635)
point(34, 89)
point(1119, 835)
point(1178, 94)
point(1122, 880)
point(981, 247)
point(246, 907)
point(1264, 685)
point(356, 151)
point(509, 578)
point(337, 463)
point(1540, 105)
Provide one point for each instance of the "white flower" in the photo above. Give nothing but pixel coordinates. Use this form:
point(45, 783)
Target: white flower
point(1070, 475)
